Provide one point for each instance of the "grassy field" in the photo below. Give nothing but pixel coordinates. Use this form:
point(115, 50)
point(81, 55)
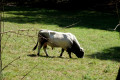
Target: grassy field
point(101, 46)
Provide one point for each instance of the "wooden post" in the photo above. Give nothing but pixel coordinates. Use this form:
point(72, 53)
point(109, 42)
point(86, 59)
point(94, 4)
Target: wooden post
point(118, 75)
point(0, 41)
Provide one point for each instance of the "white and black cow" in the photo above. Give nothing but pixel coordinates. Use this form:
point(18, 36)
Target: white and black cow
point(66, 41)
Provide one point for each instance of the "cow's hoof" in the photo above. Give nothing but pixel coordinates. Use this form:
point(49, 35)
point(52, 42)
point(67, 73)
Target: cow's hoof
point(60, 56)
point(70, 57)
point(47, 56)
point(38, 55)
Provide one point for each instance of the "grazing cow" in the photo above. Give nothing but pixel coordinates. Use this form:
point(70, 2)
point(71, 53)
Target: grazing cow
point(66, 41)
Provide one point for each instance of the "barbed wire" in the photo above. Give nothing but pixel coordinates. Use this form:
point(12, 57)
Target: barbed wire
point(20, 32)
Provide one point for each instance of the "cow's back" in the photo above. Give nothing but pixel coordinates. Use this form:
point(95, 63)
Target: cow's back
point(57, 39)
point(63, 40)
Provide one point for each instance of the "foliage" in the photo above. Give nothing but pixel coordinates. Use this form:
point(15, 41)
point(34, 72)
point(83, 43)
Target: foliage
point(65, 4)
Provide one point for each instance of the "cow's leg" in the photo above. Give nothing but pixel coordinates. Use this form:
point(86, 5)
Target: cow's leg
point(44, 47)
point(61, 52)
point(39, 47)
point(69, 54)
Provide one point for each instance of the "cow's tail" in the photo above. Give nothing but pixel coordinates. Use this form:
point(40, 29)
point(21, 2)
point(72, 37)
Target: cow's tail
point(35, 46)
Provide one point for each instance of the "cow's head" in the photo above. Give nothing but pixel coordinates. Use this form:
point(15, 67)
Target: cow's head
point(77, 50)
point(79, 53)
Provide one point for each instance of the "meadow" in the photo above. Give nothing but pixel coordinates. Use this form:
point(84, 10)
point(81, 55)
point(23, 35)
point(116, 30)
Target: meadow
point(101, 45)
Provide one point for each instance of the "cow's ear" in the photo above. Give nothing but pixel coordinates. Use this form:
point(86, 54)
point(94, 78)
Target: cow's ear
point(82, 49)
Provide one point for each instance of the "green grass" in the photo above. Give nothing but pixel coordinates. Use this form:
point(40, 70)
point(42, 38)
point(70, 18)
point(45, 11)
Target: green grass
point(102, 47)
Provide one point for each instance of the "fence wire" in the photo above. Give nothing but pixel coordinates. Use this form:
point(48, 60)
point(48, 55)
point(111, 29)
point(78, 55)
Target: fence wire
point(24, 33)
point(21, 33)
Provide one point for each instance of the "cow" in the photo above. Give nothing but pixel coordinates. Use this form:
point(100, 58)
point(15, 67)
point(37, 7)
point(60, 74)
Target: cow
point(66, 41)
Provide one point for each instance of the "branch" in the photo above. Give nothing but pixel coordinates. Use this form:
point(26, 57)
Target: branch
point(117, 26)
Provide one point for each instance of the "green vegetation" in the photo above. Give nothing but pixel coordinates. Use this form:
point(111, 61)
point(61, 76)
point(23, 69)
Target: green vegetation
point(102, 47)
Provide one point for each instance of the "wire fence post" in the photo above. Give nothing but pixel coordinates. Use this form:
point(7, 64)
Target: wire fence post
point(0, 41)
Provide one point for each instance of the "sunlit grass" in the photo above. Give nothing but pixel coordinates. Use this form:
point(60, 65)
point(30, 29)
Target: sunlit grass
point(102, 47)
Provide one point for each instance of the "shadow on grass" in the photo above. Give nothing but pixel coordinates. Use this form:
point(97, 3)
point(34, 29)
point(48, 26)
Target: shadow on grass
point(112, 53)
point(87, 18)
point(34, 55)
